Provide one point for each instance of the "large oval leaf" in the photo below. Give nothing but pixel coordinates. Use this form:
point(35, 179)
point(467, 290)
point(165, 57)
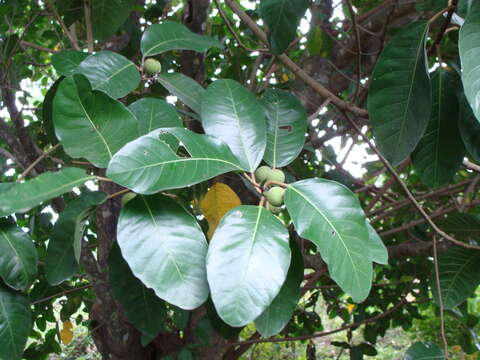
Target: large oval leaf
point(63, 250)
point(80, 114)
point(171, 35)
point(145, 310)
point(15, 323)
point(286, 127)
point(233, 114)
point(111, 73)
point(66, 62)
point(328, 214)
point(18, 258)
point(280, 311)
point(247, 263)
point(440, 151)
point(152, 113)
point(165, 248)
point(282, 18)
point(399, 96)
point(148, 164)
point(108, 16)
point(21, 197)
point(458, 270)
point(186, 89)
point(424, 351)
point(469, 129)
point(469, 48)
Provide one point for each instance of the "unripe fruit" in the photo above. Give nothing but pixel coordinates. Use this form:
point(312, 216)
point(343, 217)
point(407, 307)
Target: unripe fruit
point(152, 66)
point(274, 209)
point(276, 175)
point(127, 197)
point(262, 173)
point(275, 195)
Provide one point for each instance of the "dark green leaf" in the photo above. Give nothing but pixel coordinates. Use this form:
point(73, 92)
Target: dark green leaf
point(67, 61)
point(186, 89)
point(218, 324)
point(18, 258)
point(15, 323)
point(247, 263)
point(465, 227)
point(80, 114)
point(47, 112)
point(233, 114)
point(282, 18)
point(399, 96)
point(143, 308)
point(153, 113)
point(336, 224)
point(148, 164)
point(21, 197)
point(286, 127)
point(63, 251)
point(378, 251)
point(423, 351)
point(111, 73)
point(469, 129)
point(170, 35)
point(440, 151)
point(279, 312)
point(458, 270)
point(108, 16)
point(165, 248)
point(469, 48)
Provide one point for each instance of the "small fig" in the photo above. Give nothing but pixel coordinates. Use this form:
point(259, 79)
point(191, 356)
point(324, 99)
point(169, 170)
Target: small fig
point(275, 195)
point(262, 174)
point(274, 209)
point(276, 175)
point(152, 66)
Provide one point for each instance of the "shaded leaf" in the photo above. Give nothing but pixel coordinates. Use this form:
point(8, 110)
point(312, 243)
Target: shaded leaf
point(153, 113)
point(21, 197)
point(424, 350)
point(64, 245)
point(465, 227)
point(111, 73)
point(378, 251)
point(165, 248)
point(171, 35)
point(401, 74)
point(108, 16)
point(247, 263)
point(66, 62)
point(233, 114)
point(148, 165)
point(18, 258)
point(286, 127)
point(186, 89)
point(469, 129)
point(336, 224)
point(79, 114)
point(47, 112)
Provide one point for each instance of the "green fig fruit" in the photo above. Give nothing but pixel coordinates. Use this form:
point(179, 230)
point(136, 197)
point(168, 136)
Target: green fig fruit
point(274, 209)
point(127, 197)
point(262, 174)
point(276, 175)
point(275, 195)
point(152, 66)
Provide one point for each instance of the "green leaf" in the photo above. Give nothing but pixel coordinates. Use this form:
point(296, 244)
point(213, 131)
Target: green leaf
point(108, 16)
point(186, 89)
point(80, 114)
point(222, 328)
point(378, 251)
point(458, 269)
point(233, 114)
point(47, 112)
point(247, 263)
point(66, 62)
point(170, 35)
point(469, 48)
point(399, 96)
point(142, 307)
point(18, 258)
point(440, 151)
point(282, 18)
point(64, 246)
point(280, 311)
point(165, 248)
point(469, 129)
point(21, 197)
point(336, 225)
point(15, 323)
point(424, 351)
point(148, 164)
point(153, 113)
point(463, 226)
point(111, 73)
point(286, 127)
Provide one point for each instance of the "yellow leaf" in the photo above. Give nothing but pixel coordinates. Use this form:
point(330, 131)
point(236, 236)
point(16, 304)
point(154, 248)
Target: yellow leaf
point(285, 77)
point(66, 335)
point(350, 308)
point(217, 201)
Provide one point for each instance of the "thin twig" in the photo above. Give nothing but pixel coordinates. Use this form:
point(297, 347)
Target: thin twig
point(24, 43)
point(359, 48)
point(440, 297)
point(451, 9)
point(62, 293)
point(471, 166)
point(40, 158)
point(72, 39)
point(118, 193)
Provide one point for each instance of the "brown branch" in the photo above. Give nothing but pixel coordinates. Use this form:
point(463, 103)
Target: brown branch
point(356, 33)
point(88, 24)
point(62, 293)
point(25, 44)
point(72, 39)
point(40, 158)
point(446, 22)
point(440, 297)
